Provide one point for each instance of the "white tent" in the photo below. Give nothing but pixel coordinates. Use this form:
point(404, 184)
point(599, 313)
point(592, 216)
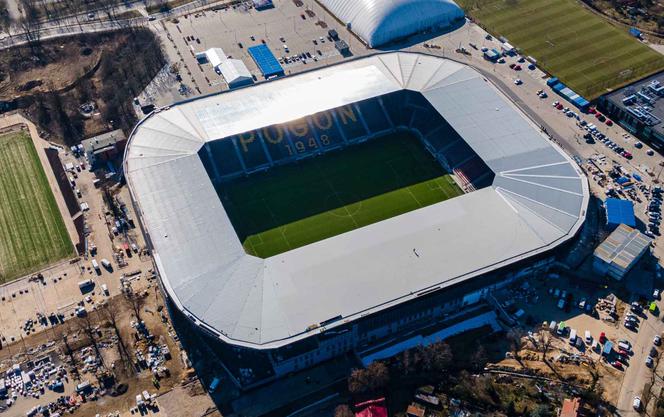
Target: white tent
point(235, 73)
point(215, 56)
point(379, 22)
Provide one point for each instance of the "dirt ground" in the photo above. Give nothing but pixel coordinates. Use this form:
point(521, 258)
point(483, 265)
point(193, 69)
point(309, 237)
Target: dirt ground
point(62, 64)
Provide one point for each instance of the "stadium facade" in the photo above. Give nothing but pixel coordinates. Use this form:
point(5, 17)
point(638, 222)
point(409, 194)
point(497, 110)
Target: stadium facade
point(525, 198)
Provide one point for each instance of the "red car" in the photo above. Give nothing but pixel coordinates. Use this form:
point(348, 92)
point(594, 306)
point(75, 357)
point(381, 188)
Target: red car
point(592, 110)
point(609, 122)
point(512, 65)
point(617, 365)
point(628, 155)
point(623, 353)
point(517, 68)
point(559, 106)
point(602, 337)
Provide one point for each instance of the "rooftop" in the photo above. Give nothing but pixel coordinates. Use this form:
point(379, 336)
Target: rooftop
point(537, 201)
point(643, 100)
point(101, 142)
point(619, 211)
point(623, 246)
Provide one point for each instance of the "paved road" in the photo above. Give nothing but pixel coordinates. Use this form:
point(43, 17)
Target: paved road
point(79, 24)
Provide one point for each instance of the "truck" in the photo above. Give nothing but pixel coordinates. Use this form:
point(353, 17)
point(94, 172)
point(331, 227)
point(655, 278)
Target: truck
point(106, 263)
point(86, 285)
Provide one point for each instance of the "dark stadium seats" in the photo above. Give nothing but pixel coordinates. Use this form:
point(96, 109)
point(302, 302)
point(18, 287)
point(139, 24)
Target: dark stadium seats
point(277, 143)
point(474, 174)
point(373, 115)
point(342, 126)
point(221, 153)
point(326, 130)
point(348, 119)
point(251, 150)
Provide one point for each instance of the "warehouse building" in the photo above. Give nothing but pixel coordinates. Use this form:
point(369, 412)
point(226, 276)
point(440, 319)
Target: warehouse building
point(639, 108)
point(618, 254)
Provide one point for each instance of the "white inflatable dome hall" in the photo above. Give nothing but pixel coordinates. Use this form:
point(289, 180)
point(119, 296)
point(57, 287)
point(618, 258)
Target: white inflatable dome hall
point(379, 22)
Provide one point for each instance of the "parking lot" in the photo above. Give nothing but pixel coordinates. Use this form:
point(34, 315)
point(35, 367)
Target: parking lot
point(297, 36)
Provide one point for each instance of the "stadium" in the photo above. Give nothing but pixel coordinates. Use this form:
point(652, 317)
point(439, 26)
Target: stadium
point(336, 210)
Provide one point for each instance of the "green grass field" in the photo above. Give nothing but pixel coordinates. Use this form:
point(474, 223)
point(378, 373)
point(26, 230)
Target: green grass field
point(32, 232)
point(586, 52)
point(298, 204)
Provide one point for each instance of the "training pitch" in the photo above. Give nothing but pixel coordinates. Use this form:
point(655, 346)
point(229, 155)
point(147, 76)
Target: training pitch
point(301, 203)
point(32, 232)
point(587, 53)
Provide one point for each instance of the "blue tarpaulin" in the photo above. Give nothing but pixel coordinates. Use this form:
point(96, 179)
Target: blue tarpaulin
point(622, 180)
point(635, 32)
point(619, 212)
point(568, 93)
point(608, 348)
point(636, 176)
point(267, 63)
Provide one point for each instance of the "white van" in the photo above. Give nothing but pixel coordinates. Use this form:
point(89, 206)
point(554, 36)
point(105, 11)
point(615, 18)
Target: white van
point(95, 265)
point(552, 326)
point(104, 289)
point(572, 337)
point(588, 337)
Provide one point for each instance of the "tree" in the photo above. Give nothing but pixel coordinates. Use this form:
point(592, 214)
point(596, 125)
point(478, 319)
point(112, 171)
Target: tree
point(479, 358)
point(343, 411)
point(31, 25)
point(514, 336)
point(437, 357)
point(5, 17)
point(371, 379)
point(110, 313)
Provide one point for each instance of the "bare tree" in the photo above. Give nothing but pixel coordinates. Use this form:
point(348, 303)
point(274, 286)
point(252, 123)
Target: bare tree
point(85, 324)
point(110, 313)
point(343, 410)
point(372, 379)
point(31, 25)
point(5, 17)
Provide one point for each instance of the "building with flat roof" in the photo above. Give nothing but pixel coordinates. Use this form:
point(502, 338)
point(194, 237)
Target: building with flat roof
point(619, 252)
point(524, 198)
point(639, 108)
point(103, 148)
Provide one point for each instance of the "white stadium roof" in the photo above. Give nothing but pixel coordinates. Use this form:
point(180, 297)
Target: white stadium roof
point(379, 22)
point(537, 201)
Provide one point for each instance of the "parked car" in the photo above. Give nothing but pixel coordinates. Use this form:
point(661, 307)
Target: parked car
point(657, 341)
point(655, 294)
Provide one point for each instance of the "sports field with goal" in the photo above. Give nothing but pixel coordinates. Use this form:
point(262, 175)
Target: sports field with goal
point(297, 204)
point(32, 232)
point(585, 51)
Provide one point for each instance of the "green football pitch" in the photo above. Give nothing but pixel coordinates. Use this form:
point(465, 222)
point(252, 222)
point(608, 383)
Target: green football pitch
point(294, 205)
point(582, 49)
point(32, 232)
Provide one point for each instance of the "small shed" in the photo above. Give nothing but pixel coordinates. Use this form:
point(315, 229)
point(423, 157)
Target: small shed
point(618, 212)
